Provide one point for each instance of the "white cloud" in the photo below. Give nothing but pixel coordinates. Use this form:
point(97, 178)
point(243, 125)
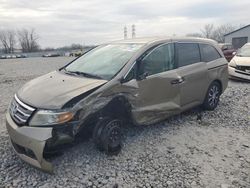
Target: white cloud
point(62, 22)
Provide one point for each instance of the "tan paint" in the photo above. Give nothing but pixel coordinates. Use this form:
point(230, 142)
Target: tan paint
point(152, 99)
point(32, 138)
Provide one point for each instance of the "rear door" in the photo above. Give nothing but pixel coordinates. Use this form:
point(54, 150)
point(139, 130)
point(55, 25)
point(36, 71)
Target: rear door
point(194, 74)
point(157, 97)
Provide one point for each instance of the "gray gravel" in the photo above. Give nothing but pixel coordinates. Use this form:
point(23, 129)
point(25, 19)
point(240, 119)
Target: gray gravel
point(181, 152)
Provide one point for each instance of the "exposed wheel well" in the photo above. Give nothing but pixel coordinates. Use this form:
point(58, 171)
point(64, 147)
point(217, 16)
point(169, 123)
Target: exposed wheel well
point(119, 107)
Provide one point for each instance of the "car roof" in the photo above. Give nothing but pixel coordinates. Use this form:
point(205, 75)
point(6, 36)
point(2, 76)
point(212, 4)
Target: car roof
point(148, 40)
point(222, 44)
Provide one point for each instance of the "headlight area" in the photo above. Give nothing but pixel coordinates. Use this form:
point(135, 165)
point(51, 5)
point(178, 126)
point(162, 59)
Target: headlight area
point(232, 64)
point(65, 126)
point(49, 118)
point(60, 136)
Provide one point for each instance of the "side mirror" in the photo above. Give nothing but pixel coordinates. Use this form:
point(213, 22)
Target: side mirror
point(122, 80)
point(143, 76)
point(234, 53)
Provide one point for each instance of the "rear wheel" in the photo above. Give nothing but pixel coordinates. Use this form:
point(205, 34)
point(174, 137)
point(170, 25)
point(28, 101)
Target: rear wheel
point(107, 135)
point(212, 97)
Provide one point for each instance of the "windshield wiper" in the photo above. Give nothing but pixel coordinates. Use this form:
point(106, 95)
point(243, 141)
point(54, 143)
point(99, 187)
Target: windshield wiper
point(88, 75)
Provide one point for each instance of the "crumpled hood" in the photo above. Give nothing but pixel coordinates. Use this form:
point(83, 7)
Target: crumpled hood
point(242, 61)
point(53, 90)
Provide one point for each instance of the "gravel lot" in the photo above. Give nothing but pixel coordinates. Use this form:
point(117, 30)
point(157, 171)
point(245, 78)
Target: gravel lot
point(181, 152)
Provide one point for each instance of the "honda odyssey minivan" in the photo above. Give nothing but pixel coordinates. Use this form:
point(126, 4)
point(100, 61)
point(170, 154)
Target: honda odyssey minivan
point(138, 81)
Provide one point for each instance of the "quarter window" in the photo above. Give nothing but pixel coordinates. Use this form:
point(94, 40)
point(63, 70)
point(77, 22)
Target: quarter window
point(131, 75)
point(188, 53)
point(209, 53)
point(160, 59)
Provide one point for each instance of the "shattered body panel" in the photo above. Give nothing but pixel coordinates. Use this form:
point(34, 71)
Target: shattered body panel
point(147, 101)
point(144, 110)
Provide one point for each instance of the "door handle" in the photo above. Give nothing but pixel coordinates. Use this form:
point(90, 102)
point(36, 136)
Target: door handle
point(178, 81)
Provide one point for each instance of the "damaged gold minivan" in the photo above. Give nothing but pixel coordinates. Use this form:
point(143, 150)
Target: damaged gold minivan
point(137, 81)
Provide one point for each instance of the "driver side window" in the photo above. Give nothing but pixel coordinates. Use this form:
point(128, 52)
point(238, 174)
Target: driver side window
point(160, 59)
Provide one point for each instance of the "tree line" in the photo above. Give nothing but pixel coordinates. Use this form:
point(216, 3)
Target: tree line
point(25, 39)
point(215, 32)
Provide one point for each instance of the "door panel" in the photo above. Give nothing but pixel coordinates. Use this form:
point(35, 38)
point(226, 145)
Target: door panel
point(157, 94)
point(157, 98)
point(193, 88)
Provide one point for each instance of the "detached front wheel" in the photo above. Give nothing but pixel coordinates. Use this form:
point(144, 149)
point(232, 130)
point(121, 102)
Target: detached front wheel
point(212, 97)
point(107, 135)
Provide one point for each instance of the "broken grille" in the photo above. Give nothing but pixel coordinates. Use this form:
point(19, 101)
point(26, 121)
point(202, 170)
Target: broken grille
point(243, 68)
point(20, 112)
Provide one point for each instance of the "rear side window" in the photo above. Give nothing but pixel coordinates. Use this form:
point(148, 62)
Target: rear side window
point(188, 53)
point(209, 53)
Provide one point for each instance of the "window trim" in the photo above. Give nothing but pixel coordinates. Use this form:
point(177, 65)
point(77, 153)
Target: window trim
point(177, 50)
point(127, 73)
point(176, 58)
point(152, 49)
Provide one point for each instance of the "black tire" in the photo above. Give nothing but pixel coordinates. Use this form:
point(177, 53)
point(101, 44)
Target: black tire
point(107, 135)
point(97, 132)
point(212, 97)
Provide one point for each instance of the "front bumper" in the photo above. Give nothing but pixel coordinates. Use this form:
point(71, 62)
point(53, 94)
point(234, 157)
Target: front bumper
point(237, 74)
point(29, 143)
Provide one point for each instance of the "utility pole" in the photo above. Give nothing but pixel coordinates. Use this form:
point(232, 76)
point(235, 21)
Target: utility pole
point(125, 32)
point(133, 31)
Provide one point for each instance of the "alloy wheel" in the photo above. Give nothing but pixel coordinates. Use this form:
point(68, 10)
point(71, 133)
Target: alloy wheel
point(213, 96)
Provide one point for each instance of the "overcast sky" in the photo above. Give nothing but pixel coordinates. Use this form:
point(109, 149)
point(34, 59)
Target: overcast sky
point(63, 22)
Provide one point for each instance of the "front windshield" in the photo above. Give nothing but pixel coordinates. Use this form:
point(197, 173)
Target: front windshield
point(104, 62)
point(244, 51)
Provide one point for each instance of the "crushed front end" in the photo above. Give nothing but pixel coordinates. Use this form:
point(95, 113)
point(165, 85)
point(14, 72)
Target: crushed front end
point(29, 142)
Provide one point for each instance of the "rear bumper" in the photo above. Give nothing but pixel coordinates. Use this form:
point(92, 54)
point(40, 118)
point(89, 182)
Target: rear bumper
point(235, 74)
point(29, 143)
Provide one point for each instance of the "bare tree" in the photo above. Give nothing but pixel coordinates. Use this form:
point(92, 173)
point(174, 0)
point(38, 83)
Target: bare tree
point(11, 35)
point(215, 33)
point(220, 31)
point(195, 35)
point(8, 40)
point(207, 31)
point(28, 40)
point(3, 39)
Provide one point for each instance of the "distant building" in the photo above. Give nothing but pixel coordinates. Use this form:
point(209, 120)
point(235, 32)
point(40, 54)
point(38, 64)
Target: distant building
point(238, 37)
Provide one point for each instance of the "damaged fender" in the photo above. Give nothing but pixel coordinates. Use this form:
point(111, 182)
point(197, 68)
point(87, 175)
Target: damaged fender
point(142, 110)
